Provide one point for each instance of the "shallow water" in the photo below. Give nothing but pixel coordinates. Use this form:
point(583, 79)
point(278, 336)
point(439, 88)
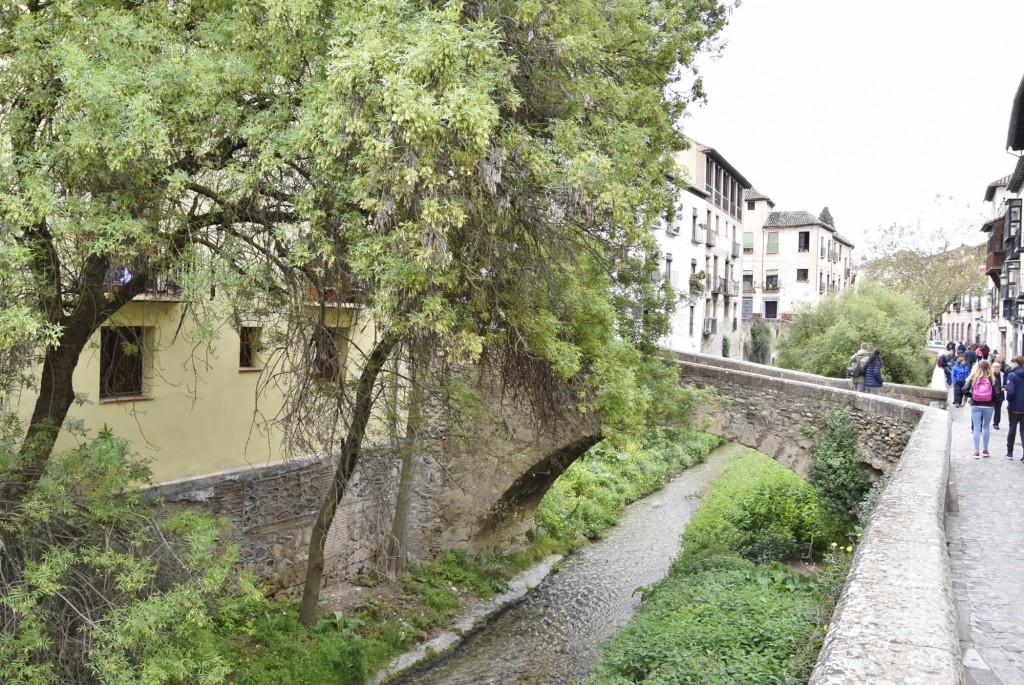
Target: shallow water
point(554, 636)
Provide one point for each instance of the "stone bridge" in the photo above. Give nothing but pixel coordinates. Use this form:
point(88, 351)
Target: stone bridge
point(895, 621)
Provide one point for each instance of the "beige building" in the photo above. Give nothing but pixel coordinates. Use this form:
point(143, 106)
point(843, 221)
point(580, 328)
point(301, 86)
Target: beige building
point(790, 259)
point(195, 407)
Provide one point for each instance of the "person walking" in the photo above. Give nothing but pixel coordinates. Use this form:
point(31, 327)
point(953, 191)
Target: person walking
point(873, 373)
point(960, 373)
point(999, 393)
point(856, 365)
point(1014, 403)
point(970, 356)
point(980, 387)
point(983, 352)
point(946, 361)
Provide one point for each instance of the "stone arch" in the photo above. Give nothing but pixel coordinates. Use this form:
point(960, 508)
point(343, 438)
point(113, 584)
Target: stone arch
point(511, 516)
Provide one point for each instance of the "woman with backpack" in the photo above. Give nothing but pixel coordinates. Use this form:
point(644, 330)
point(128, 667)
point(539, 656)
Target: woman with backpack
point(980, 387)
point(873, 373)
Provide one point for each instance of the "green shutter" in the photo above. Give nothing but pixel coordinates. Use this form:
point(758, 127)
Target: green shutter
point(748, 241)
point(773, 242)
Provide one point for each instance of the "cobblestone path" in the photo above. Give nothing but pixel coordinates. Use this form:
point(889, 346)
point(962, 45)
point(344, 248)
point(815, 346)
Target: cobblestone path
point(985, 536)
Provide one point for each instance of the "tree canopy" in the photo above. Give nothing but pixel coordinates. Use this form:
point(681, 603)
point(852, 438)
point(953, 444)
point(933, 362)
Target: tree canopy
point(474, 173)
point(822, 340)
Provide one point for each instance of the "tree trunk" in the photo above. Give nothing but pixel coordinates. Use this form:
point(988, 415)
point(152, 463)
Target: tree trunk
point(92, 309)
point(349, 458)
point(398, 544)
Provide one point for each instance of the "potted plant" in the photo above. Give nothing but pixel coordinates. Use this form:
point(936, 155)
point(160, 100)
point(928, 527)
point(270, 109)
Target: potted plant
point(697, 282)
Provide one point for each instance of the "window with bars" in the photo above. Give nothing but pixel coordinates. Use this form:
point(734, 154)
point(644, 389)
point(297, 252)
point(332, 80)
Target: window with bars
point(121, 362)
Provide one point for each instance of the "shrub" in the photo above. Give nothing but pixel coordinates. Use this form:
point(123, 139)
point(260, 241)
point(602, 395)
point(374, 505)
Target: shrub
point(95, 588)
point(837, 473)
point(763, 511)
point(759, 346)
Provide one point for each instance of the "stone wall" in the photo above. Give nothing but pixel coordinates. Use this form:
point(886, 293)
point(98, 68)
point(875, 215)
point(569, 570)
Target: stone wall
point(780, 417)
point(908, 393)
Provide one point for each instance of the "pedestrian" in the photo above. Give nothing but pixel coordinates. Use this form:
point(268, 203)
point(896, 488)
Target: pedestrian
point(960, 373)
point(983, 352)
point(855, 367)
point(1014, 402)
point(947, 359)
point(999, 393)
point(980, 387)
point(970, 356)
point(873, 373)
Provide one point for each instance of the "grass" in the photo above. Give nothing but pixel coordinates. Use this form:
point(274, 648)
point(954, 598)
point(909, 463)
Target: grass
point(719, 618)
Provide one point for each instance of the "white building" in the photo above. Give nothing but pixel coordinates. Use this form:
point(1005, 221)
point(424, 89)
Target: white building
point(701, 253)
point(790, 259)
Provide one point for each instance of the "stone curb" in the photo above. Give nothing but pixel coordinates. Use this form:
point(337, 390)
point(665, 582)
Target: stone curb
point(468, 621)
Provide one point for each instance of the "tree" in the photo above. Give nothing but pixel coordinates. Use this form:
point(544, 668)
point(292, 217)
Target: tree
point(473, 172)
point(758, 347)
point(821, 340)
point(921, 264)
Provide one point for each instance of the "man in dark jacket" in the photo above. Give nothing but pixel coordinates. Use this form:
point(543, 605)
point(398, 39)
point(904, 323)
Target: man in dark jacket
point(970, 356)
point(1014, 402)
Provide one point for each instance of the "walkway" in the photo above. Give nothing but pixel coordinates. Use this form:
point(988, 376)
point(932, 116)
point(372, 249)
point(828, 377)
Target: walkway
point(985, 535)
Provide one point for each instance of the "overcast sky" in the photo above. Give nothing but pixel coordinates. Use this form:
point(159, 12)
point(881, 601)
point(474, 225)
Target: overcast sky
point(874, 108)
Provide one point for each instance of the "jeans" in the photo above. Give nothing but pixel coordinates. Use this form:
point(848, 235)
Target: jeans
point(1012, 432)
point(981, 418)
point(872, 391)
point(859, 387)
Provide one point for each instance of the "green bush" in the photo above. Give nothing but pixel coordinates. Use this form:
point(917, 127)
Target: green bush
point(719, 619)
point(94, 587)
point(837, 473)
point(763, 511)
point(821, 340)
point(758, 348)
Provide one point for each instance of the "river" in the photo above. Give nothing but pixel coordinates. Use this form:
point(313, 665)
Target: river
point(554, 636)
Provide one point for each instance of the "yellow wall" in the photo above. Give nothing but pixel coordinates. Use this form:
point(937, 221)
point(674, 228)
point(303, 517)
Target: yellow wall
point(199, 415)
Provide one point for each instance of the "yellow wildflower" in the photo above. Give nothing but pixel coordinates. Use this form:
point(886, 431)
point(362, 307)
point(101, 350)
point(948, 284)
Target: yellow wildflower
point(850, 548)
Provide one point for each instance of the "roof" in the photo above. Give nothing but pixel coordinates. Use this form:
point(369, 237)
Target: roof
point(990, 192)
point(724, 163)
point(790, 219)
point(754, 194)
point(989, 225)
point(1016, 181)
point(1015, 134)
point(801, 218)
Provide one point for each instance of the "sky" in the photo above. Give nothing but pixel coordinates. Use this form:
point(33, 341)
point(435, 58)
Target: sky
point(886, 111)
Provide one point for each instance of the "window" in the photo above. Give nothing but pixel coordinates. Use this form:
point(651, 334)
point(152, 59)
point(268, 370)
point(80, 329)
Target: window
point(328, 350)
point(691, 319)
point(693, 266)
point(121, 351)
point(750, 205)
point(771, 309)
point(773, 242)
point(748, 282)
point(801, 275)
point(668, 267)
point(804, 241)
point(771, 280)
point(748, 242)
point(248, 346)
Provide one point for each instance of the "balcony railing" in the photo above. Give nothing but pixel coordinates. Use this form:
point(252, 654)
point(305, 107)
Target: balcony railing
point(735, 250)
point(718, 285)
point(733, 289)
point(697, 235)
point(711, 239)
point(823, 252)
point(771, 286)
point(733, 208)
point(159, 286)
point(748, 286)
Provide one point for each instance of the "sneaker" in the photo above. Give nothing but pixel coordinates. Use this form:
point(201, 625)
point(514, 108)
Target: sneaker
point(995, 427)
point(975, 455)
point(1010, 457)
point(985, 453)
